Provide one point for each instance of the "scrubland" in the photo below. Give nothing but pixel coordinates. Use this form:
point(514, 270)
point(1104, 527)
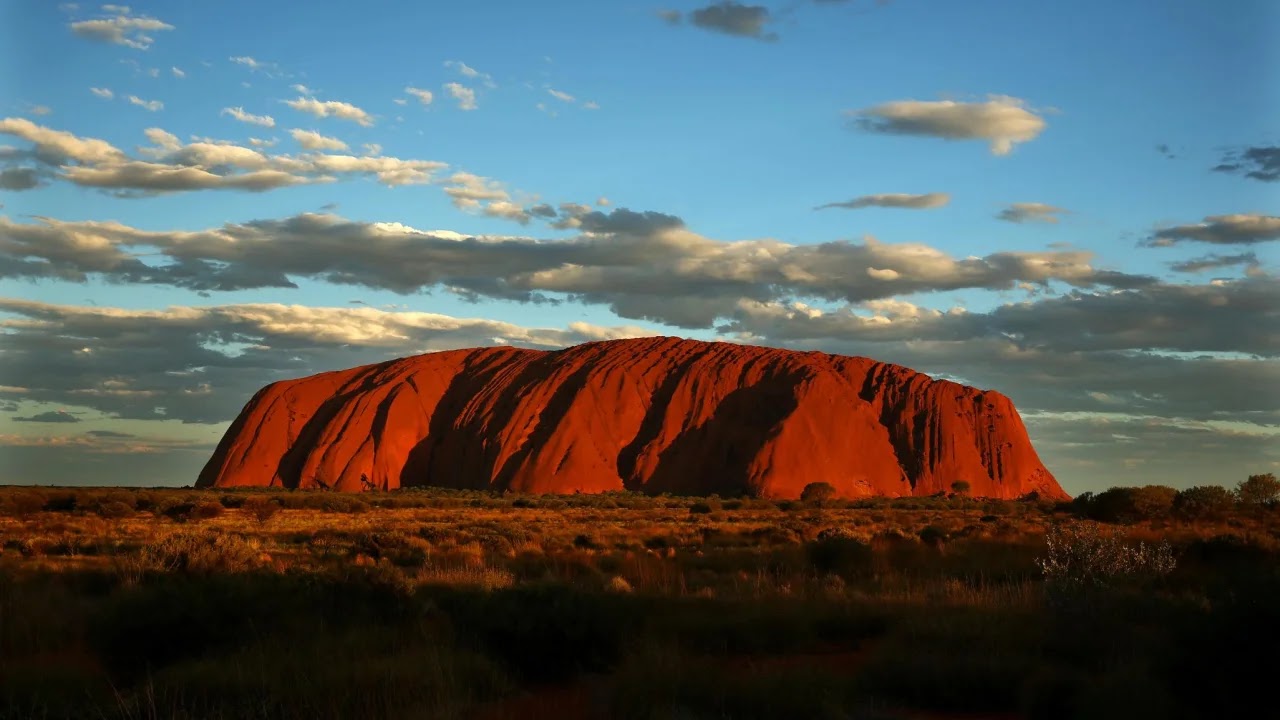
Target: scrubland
point(160, 603)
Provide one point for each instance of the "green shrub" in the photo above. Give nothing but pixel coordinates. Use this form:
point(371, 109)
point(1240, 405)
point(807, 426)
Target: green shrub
point(1203, 502)
point(1259, 490)
point(1126, 504)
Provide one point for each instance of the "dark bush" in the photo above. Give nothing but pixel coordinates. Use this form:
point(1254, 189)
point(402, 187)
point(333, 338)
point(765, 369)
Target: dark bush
point(933, 535)
point(1203, 502)
point(839, 554)
point(657, 542)
point(544, 632)
point(114, 510)
point(205, 510)
point(1151, 502)
point(817, 492)
point(60, 502)
point(1126, 504)
point(1259, 490)
point(231, 501)
point(20, 504)
point(262, 509)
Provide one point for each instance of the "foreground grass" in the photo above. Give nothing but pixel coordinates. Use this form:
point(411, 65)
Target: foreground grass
point(253, 604)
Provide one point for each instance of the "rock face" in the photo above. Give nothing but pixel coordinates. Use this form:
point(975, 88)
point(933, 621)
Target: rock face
point(652, 414)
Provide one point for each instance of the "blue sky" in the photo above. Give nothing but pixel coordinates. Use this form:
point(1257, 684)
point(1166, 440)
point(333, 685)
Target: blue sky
point(1115, 140)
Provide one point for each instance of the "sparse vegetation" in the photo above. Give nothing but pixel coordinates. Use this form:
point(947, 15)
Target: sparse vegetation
point(200, 604)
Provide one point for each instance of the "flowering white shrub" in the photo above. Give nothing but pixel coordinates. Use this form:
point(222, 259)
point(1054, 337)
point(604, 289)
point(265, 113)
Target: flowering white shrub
point(1086, 555)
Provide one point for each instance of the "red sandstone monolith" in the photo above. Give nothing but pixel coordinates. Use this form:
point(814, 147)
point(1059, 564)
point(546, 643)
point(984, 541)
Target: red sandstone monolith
point(652, 414)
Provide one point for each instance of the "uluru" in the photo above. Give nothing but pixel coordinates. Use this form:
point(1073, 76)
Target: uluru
point(654, 415)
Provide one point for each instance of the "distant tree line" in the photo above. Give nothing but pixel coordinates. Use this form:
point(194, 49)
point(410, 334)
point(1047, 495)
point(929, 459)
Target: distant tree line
point(1202, 502)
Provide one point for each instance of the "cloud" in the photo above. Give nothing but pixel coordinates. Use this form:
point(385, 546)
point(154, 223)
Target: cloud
point(1179, 451)
point(1163, 364)
point(1216, 262)
point(465, 96)
point(1172, 352)
point(312, 140)
point(467, 190)
point(641, 265)
point(731, 18)
point(562, 96)
point(463, 68)
point(628, 222)
point(301, 89)
point(239, 114)
point(1260, 162)
point(103, 93)
point(331, 108)
point(1238, 229)
point(1025, 212)
point(271, 69)
point(178, 359)
point(424, 96)
point(178, 72)
point(469, 72)
point(1238, 316)
point(108, 434)
point(41, 110)
point(893, 200)
point(1002, 120)
point(97, 442)
point(53, 416)
point(590, 105)
point(171, 166)
point(17, 179)
point(148, 105)
point(57, 146)
point(121, 28)
point(153, 178)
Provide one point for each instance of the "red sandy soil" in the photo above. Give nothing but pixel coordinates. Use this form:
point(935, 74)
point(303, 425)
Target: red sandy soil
point(651, 414)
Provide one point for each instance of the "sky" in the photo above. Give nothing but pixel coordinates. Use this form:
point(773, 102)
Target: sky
point(1074, 204)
